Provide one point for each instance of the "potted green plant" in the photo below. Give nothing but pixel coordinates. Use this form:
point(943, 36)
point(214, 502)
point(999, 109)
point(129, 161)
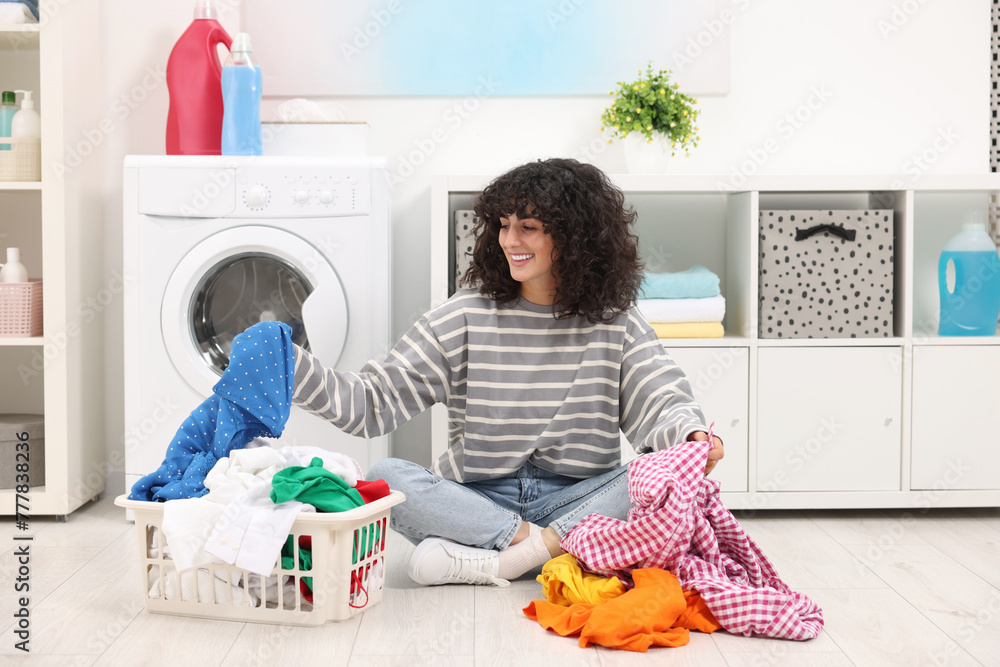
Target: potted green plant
point(653, 110)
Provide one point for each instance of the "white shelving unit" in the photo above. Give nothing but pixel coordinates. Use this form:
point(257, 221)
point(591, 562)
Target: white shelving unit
point(57, 223)
point(904, 421)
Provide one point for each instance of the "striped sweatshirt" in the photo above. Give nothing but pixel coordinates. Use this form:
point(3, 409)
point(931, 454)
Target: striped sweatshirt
point(519, 384)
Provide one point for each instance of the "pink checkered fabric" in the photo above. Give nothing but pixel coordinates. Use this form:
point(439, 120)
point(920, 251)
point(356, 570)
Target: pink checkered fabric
point(678, 523)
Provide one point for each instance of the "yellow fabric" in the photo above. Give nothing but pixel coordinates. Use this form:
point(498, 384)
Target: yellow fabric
point(564, 583)
point(688, 329)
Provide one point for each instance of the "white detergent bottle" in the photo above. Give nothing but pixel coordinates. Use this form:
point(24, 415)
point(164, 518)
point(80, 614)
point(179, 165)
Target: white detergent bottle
point(26, 124)
point(13, 271)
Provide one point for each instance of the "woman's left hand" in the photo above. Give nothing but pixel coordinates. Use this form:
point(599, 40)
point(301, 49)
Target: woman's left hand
point(715, 454)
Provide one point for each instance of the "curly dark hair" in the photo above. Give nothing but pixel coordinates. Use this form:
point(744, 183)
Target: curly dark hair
point(596, 258)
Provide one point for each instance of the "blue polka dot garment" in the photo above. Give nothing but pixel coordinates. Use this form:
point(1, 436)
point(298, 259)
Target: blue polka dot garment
point(252, 399)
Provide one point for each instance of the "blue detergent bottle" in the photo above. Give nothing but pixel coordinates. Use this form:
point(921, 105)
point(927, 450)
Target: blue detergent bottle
point(241, 89)
point(971, 307)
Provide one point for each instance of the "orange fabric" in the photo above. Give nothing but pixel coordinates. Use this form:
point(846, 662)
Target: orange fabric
point(648, 615)
point(697, 615)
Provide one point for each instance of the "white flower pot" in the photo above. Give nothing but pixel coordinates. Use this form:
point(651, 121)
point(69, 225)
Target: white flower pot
point(644, 157)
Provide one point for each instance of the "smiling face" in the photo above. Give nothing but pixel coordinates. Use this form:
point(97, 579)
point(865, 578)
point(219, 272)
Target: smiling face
point(529, 248)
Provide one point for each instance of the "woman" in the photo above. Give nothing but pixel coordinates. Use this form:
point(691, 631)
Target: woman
point(540, 363)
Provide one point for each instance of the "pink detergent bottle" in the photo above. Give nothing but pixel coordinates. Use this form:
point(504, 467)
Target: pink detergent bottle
point(194, 79)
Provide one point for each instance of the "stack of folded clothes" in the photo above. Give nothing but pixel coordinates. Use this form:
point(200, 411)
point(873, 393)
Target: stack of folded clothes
point(18, 11)
point(683, 304)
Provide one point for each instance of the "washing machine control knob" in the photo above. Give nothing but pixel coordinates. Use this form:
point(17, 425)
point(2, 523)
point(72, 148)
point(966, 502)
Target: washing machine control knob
point(326, 197)
point(257, 197)
point(301, 197)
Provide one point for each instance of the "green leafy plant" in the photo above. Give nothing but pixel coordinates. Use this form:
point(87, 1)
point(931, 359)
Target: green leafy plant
point(651, 105)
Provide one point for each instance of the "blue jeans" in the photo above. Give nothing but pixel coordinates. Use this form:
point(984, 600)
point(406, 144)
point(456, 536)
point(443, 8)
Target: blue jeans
point(488, 513)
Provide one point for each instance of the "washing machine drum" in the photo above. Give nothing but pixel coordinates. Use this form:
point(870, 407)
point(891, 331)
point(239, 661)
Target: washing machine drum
point(225, 285)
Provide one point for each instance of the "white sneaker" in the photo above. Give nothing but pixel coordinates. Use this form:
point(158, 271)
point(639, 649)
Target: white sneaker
point(439, 561)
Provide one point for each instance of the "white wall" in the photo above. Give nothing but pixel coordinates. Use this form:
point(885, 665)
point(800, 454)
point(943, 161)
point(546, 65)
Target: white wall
point(855, 86)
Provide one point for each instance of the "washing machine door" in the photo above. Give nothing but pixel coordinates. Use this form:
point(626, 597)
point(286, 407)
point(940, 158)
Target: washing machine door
point(242, 276)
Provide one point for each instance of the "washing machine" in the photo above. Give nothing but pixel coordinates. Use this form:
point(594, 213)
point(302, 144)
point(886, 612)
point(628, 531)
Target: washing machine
point(213, 245)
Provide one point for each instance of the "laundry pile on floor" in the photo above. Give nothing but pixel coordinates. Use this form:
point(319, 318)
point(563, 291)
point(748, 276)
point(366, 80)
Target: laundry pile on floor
point(677, 530)
point(226, 504)
point(655, 612)
point(683, 304)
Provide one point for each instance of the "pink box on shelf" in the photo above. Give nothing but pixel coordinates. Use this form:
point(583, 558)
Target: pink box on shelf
point(21, 309)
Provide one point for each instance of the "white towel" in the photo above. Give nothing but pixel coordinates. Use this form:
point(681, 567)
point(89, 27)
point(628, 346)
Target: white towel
point(707, 309)
point(181, 587)
point(16, 13)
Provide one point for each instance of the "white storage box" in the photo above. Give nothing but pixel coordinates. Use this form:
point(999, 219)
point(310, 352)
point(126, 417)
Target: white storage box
point(324, 138)
point(21, 159)
point(346, 574)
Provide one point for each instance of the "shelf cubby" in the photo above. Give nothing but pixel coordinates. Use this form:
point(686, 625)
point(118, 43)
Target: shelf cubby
point(772, 397)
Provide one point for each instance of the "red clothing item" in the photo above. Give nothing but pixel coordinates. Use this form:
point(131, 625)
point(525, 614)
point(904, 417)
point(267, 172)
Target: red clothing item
point(654, 613)
point(372, 490)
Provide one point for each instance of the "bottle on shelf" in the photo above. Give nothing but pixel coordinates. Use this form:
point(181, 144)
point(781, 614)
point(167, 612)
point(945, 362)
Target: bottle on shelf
point(26, 123)
point(972, 306)
point(8, 108)
point(13, 271)
point(194, 74)
point(241, 91)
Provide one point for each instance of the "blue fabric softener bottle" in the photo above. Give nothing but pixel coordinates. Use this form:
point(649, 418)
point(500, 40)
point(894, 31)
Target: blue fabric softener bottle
point(971, 307)
point(241, 89)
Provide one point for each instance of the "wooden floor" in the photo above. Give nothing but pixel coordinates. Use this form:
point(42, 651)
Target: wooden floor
point(896, 587)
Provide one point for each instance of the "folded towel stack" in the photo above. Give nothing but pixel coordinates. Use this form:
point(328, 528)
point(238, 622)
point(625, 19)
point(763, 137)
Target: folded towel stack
point(683, 304)
point(18, 11)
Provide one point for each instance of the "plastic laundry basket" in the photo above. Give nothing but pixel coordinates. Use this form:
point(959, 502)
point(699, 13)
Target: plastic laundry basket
point(345, 577)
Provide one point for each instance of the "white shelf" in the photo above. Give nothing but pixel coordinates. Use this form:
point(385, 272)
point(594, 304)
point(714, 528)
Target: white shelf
point(797, 414)
point(725, 341)
point(34, 341)
point(19, 36)
point(830, 342)
point(928, 339)
point(54, 374)
point(719, 184)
